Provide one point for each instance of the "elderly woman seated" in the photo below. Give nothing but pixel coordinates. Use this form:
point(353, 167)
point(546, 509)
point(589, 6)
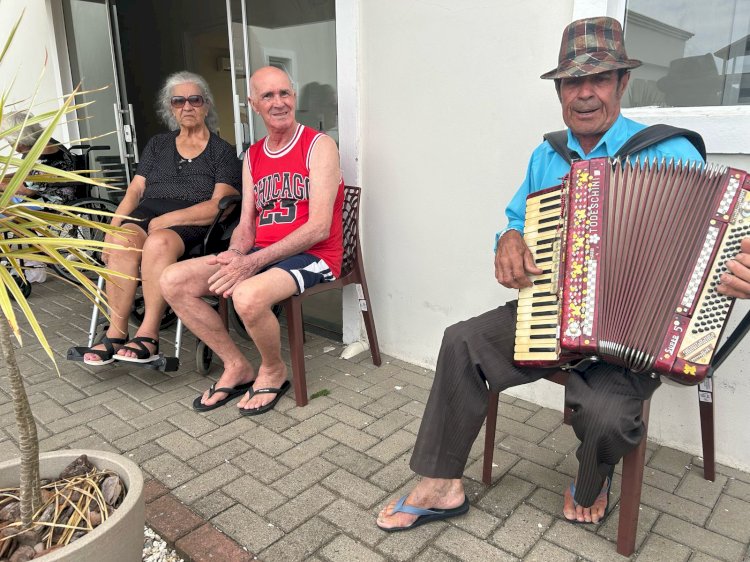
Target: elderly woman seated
point(172, 199)
point(54, 155)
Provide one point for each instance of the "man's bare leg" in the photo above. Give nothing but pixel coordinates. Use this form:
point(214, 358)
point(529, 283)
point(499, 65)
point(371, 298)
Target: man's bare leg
point(439, 493)
point(183, 285)
point(253, 300)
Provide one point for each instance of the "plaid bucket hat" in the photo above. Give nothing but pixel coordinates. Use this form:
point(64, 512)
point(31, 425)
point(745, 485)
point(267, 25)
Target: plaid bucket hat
point(590, 46)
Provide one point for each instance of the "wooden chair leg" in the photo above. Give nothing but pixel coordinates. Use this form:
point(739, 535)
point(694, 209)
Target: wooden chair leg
point(372, 336)
point(630, 494)
point(706, 408)
point(489, 437)
point(224, 311)
point(297, 349)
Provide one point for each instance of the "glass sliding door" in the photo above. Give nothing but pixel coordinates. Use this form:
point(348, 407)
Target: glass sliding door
point(298, 36)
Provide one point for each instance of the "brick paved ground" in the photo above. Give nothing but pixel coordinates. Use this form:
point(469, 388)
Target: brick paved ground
point(306, 483)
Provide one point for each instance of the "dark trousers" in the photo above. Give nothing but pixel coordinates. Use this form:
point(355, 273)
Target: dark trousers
point(478, 353)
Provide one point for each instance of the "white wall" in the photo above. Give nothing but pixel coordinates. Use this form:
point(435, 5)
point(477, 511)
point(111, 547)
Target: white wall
point(23, 71)
point(451, 107)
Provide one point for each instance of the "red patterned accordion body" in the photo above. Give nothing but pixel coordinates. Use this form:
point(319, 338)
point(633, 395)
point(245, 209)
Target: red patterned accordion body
point(632, 254)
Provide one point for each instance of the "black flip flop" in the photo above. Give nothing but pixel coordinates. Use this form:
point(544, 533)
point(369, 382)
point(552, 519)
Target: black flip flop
point(232, 393)
point(257, 411)
point(425, 515)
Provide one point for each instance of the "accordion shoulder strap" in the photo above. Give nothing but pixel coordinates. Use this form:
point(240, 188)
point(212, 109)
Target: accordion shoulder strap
point(657, 133)
point(639, 141)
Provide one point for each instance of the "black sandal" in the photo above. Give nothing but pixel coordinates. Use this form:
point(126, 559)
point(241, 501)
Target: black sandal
point(106, 355)
point(142, 354)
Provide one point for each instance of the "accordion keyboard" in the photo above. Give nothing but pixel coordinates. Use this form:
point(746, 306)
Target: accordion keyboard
point(537, 322)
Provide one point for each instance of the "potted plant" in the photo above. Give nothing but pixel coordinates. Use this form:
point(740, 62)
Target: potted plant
point(28, 231)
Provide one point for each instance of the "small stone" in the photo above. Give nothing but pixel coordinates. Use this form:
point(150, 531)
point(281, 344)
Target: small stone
point(82, 465)
point(29, 537)
point(23, 554)
point(112, 489)
point(95, 518)
point(11, 512)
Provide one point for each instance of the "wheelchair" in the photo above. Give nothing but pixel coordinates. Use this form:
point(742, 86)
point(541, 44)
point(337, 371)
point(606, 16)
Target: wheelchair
point(216, 240)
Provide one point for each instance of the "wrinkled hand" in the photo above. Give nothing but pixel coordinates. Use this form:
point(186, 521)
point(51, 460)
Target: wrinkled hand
point(736, 281)
point(234, 269)
point(514, 262)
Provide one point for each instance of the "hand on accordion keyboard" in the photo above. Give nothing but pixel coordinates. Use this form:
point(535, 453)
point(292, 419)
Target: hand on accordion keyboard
point(736, 282)
point(514, 261)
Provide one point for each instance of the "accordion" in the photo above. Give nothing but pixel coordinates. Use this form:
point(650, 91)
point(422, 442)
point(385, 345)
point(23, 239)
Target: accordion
point(631, 255)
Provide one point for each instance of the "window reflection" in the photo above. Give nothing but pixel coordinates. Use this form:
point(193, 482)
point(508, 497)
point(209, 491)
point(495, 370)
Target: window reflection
point(693, 53)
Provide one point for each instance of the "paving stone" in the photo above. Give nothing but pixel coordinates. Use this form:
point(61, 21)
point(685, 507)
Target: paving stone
point(394, 474)
point(248, 529)
point(301, 478)
point(308, 428)
point(181, 445)
point(171, 519)
point(546, 419)
point(738, 489)
point(229, 431)
point(670, 461)
point(388, 424)
point(698, 538)
point(660, 479)
point(502, 462)
point(702, 557)
point(434, 555)
point(547, 501)
point(351, 460)
point(503, 497)
point(153, 489)
point(541, 476)
point(254, 495)
point(522, 530)
point(60, 440)
point(476, 521)
point(390, 401)
point(302, 453)
point(544, 551)
point(392, 446)
point(731, 518)
point(144, 436)
point(585, 544)
point(164, 398)
point(48, 410)
point(353, 399)
point(647, 516)
point(211, 505)
point(353, 488)
point(62, 424)
point(155, 416)
point(169, 470)
point(658, 549)
point(206, 544)
point(298, 545)
point(562, 440)
point(111, 427)
point(267, 441)
point(531, 451)
point(95, 400)
point(350, 436)
point(675, 505)
point(301, 508)
point(696, 488)
point(353, 520)
point(126, 408)
point(207, 482)
point(93, 442)
point(344, 549)
point(142, 453)
point(466, 547)
point(404, 546)
point(260, 466)
point(350, 416)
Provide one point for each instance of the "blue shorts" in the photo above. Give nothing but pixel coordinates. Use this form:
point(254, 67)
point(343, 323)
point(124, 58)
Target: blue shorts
point(306, 270)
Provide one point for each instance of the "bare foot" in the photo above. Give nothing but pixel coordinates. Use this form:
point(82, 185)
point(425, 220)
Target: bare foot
point(233, 376)
point(430, 493)
point(268, 377)
point(582, 514)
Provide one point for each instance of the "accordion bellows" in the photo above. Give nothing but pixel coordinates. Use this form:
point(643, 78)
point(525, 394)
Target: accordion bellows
point(632, 253)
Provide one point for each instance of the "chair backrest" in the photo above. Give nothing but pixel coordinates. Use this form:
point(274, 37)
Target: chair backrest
point(351, 228)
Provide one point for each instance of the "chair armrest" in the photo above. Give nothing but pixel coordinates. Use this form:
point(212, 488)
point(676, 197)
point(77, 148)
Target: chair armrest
point(228, 200)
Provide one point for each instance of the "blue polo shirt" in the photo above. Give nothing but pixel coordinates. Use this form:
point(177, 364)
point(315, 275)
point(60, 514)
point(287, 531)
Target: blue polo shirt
point(546, 167)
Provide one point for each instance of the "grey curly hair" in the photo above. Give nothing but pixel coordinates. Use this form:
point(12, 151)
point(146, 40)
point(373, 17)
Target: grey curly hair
point(164, 109)
point(28, 135)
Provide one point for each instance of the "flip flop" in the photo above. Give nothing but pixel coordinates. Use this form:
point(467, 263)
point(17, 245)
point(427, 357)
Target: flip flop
point(257, 411)
point(606, 509)
point(106, 355)
point(425, 515)
point(142, 353)
point(231, 393)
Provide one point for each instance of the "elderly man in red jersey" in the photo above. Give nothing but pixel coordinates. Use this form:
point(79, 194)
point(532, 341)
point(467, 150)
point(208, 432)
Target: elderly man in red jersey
point(289, 238)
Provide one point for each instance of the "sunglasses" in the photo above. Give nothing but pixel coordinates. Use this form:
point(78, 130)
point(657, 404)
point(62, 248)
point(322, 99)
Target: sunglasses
point(179, 101)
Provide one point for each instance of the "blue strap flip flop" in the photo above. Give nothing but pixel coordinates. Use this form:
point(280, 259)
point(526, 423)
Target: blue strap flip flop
point(425, 515)
point(607, 509)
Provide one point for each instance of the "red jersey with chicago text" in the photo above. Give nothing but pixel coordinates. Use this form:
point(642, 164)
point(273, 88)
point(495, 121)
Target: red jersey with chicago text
point(282, 195)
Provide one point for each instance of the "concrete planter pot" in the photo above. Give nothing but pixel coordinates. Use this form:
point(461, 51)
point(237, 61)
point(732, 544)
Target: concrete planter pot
point(120, 538)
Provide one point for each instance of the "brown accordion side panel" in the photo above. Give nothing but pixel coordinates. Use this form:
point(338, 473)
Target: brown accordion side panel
point(641, 250)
